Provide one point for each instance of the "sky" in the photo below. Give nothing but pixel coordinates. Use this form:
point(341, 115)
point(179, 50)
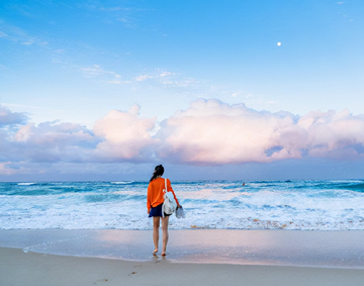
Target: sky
point(235, 90)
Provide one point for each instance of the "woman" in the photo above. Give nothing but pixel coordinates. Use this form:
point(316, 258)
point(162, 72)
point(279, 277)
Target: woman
point(155, 199)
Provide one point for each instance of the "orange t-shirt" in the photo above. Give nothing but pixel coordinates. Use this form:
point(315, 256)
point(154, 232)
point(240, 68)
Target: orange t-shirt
point(155, 195)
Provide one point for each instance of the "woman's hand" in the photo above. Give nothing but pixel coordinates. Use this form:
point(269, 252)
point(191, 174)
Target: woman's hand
point(148, 211)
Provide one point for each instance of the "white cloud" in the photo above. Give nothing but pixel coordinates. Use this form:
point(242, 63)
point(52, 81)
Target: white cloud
point(119, 82)
point(144, 77)
point(126, 136)
point(209, 132)
point(180, 83)
point(332, 134)
point(18, 35)
point(27, 43)
point(212, 132)
point(53, 142)
point(9, 118)
point(59, 51)
point(96, 71)
point(165, 73)
point(158, 75)
point(5, 170)
point(24, 133)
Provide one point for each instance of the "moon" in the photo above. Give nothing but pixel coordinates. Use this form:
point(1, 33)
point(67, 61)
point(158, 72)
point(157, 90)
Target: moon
point(279, 44)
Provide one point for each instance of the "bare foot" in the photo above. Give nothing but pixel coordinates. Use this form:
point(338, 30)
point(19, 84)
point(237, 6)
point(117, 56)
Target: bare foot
point(155, 251)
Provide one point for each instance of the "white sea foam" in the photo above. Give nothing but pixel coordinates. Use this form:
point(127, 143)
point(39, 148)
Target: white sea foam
point(291, 205)
point(26, 184)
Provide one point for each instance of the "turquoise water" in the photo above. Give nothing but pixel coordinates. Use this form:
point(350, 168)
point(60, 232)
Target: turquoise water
point(293, 205)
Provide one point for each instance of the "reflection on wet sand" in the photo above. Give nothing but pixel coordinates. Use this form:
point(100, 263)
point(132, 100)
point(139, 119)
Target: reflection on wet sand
point(263, 247)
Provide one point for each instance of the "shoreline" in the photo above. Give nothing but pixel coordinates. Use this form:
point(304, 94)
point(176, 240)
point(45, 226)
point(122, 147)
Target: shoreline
point(19, 268)
point(324, 249)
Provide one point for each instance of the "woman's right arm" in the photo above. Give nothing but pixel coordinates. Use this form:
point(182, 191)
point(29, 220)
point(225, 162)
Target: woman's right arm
point(169, 188)
point(149, 205)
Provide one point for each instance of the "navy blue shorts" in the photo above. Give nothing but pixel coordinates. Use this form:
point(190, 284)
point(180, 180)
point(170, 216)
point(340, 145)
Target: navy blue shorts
point(157, 211)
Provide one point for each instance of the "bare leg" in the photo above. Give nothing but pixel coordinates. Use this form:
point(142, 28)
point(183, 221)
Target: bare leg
point(156, 224)
point(165, 221)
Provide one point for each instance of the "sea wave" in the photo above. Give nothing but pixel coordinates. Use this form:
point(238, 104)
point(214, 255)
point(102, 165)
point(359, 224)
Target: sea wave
point(291, 205)
point(359, 187)
point(122, 183)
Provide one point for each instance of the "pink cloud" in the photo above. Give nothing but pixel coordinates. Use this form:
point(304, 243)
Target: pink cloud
point(52, 142)
point(5, 170)
point(124, 135)
point(213, 132)
point(209, 132)
point(333, 134)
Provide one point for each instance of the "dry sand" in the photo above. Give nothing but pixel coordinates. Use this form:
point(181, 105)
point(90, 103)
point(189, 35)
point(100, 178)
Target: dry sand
point(28, 269)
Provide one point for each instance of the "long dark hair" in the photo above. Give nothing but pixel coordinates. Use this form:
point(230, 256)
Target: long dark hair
point(158, 171)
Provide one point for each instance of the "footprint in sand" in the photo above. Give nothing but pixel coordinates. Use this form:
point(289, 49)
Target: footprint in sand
point(102, 280)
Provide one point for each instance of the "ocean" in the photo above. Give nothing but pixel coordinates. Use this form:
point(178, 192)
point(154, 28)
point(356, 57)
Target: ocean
point(289, 205)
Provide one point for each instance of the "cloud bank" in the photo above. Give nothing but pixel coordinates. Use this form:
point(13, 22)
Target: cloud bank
point(209, 132)
point(213, 132)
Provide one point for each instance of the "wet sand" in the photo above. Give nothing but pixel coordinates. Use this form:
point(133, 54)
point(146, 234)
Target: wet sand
point(33, 269)
point(334, 249)
point(194, 257)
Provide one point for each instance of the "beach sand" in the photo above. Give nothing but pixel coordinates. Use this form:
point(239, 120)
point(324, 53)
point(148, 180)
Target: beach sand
point(19, 268)
point(194, 257)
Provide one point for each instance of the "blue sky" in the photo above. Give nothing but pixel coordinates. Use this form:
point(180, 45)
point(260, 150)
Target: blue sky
point(108, 89)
